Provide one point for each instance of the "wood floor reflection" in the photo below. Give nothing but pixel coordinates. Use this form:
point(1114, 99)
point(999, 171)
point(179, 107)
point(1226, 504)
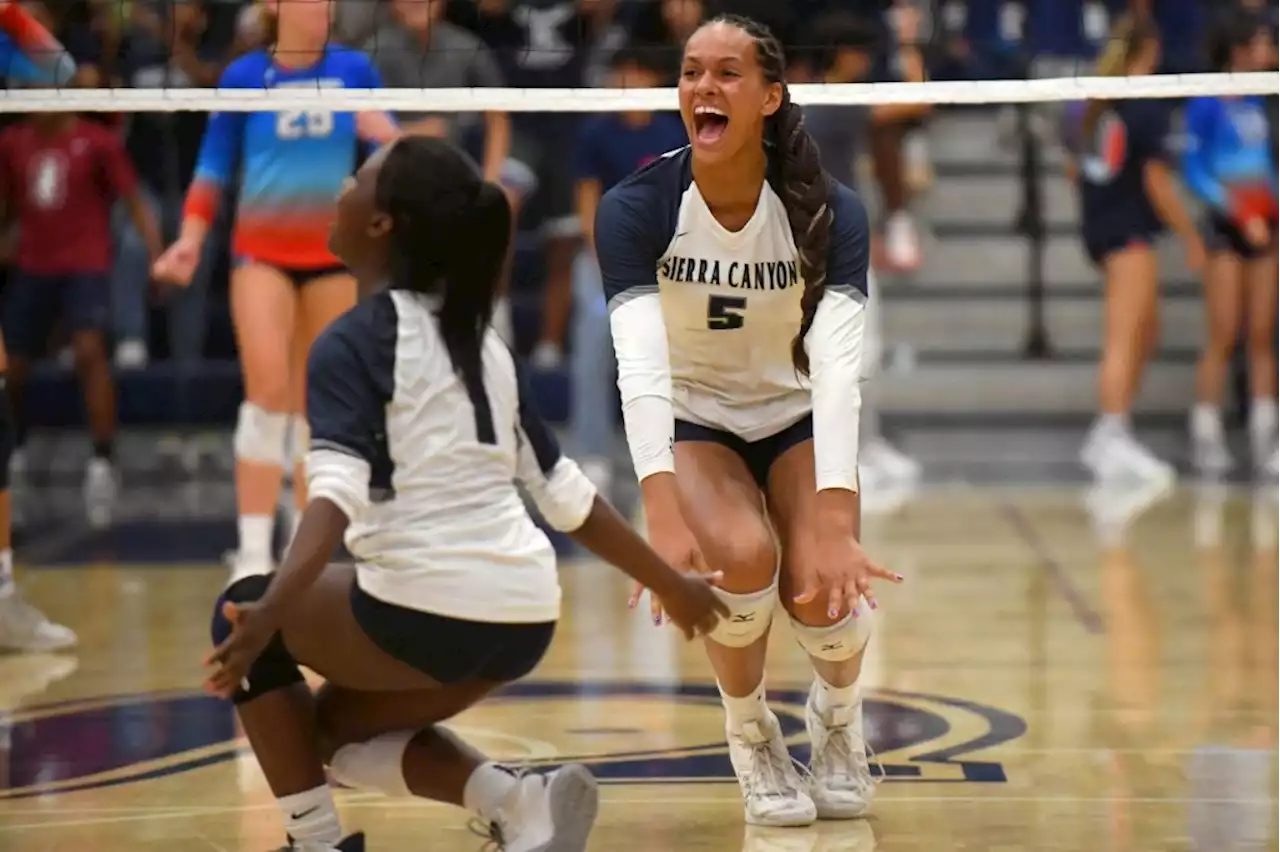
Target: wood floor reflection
point(1061, 671)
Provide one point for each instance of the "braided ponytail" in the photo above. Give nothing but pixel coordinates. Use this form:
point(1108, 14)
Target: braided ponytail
point(805, 187)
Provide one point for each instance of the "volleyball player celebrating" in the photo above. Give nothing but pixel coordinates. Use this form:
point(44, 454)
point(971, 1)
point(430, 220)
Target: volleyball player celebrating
point(286, 285)
point(736, 275)
point(29, 53)
point(1228, 164)
point(1127, 199)
point(419, 429)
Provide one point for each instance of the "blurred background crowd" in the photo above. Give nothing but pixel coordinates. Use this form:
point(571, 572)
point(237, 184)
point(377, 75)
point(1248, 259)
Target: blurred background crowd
point(172, 350)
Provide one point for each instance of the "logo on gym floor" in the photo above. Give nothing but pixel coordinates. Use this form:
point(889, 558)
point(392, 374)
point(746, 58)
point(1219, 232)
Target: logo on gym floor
point(627, 733)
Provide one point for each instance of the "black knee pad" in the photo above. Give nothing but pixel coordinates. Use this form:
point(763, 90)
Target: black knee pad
point(275, 668)
point(8, 437)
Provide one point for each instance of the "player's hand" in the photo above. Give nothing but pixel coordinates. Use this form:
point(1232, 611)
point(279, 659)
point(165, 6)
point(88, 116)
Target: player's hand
point(839, 571)
point(1256, 232)
point(673, 541)
point(692, 605)
point(178, 263)
point(252, 627)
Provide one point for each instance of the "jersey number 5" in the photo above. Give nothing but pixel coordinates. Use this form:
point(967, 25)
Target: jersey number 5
point(726, 312)
point(297, 123)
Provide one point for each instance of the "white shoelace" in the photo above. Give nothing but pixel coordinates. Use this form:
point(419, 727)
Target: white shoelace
point(844, 749)
point(772, 775)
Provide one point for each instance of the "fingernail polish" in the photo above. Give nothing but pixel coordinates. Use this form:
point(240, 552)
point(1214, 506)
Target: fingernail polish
point(874, 605)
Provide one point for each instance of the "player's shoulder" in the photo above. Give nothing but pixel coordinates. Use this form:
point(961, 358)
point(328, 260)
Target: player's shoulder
point(354, 336)
point(246, 71)
point(646, 197)
point(848, 212)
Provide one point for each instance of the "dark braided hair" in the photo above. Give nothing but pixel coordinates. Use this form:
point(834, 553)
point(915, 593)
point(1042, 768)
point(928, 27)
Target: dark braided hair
point(450, 231)
point(805, 187)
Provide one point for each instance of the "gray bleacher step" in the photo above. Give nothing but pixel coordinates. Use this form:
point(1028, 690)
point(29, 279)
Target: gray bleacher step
point(1028, 387)
point(996, 200)
point(951, 325)
point(977, 137)
point(1002, 261)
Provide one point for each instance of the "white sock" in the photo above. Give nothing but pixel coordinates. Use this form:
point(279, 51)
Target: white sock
point(830, 697)
point(1111, 425)
point(255, 536)
point(1206, 422)
point(1262, 428)
point(749, 708)
point(7, 585)
point(488, 789)
point(311, 818)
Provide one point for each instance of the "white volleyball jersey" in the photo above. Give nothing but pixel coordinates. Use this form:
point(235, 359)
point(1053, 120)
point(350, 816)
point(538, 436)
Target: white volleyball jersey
point(718, 308)
point(425, 467)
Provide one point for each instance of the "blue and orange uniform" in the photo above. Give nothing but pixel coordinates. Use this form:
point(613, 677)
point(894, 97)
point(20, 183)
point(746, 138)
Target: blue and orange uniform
point(1228, 163)
point(1115, 211)
point(29, 52)
point(291, 163)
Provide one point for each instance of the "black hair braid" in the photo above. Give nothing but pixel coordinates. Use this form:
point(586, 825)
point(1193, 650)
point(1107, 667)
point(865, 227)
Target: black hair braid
point(450, 231)
point(805, 185)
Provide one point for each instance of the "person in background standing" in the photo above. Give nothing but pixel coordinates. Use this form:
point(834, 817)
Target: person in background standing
point(544, 44)
point(1229, 164)
point(610, 147)
point(419, 48)
point(170, 47)
point(60, 175)
point(843, 51)
point(1120, 161)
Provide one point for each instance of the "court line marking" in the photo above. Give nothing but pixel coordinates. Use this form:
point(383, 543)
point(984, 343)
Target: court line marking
point(1052, 565)
point(398, 804)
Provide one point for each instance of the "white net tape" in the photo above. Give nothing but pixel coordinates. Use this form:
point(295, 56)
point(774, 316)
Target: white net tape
point(617, 100)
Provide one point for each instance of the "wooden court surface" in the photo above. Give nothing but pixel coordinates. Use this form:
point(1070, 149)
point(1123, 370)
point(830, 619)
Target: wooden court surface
point(1047, 679)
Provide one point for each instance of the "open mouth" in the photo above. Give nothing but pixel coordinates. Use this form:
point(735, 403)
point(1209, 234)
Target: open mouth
point(709, 124)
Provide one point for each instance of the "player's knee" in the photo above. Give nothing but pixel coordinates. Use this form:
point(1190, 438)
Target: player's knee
point(8, 435)
point(749, 618)
point(275, 667)
point(835, 642)
point(748, 558)
point(261, 435)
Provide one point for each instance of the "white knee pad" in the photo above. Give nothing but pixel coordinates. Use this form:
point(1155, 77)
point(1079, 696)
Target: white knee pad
point(299, 438)
point(376, 764)
point(839, 641)
point(261, 435)
point(749, 617)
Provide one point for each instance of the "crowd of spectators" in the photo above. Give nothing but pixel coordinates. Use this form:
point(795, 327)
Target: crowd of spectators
point(538, 43)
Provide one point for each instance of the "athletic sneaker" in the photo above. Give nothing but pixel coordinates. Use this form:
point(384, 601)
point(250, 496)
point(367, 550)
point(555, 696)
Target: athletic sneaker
point(843, 785)
point(773, 791)
point(1209, 453)
point(547, 813)
point(1117, 455)
point(351, 843)
point(25, 628)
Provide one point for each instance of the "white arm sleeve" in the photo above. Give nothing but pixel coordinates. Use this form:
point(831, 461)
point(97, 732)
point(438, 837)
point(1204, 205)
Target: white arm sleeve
point(340, 477)
point(834, 344)
point(563, 494)
point(559, 489)
point(644, 382)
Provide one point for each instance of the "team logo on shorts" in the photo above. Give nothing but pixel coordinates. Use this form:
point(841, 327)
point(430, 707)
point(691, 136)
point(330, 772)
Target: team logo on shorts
point(627, 733)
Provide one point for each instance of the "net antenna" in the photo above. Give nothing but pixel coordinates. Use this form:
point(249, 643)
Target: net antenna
point(616, 100)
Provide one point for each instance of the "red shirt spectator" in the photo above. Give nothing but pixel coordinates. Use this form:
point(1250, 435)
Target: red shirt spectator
point(62, 174)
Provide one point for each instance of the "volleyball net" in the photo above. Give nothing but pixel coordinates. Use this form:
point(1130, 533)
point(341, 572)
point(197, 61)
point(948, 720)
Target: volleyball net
point(321, 96)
